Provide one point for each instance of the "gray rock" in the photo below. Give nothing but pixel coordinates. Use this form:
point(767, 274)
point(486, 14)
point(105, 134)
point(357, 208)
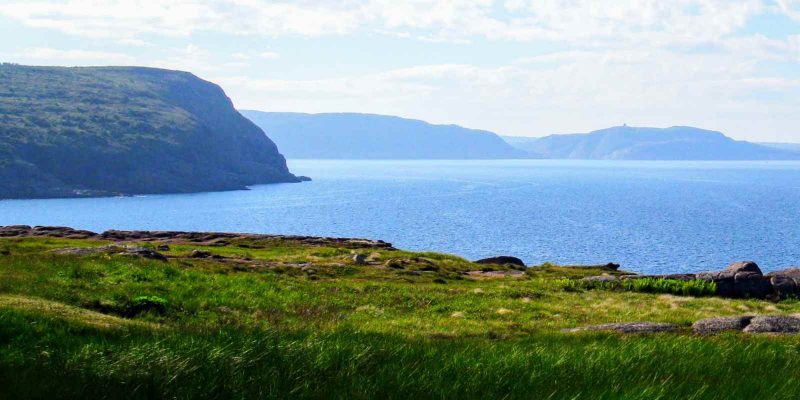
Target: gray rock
point(163, 247)
point(740, 279)
point(501, 260)
point(710, 326)
point(773, 324)
point(786, 282)
point(631, 327)
point(144, 252)
point(359, 259)
point(127, 250)
point(196, 253)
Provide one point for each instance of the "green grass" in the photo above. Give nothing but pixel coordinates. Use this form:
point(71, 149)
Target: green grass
point(693, 287)
point(116, 327)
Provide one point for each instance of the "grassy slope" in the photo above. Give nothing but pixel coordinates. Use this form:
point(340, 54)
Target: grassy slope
point(109, 130)
point(337, 330)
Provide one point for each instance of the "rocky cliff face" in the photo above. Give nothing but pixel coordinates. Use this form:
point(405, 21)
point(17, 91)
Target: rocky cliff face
point(125, 130)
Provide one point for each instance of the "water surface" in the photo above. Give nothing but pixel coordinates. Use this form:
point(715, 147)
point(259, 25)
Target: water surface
point(649, 216)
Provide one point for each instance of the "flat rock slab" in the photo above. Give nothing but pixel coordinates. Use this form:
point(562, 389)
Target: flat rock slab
point(773, 324)
point(710, 326)
point(630, 327)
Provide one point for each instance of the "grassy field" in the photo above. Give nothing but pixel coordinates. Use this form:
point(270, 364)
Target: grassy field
point(280, 320)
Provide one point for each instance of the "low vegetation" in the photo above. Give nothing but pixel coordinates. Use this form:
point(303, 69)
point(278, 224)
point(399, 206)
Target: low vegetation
point(272, 319)
point(694, 287)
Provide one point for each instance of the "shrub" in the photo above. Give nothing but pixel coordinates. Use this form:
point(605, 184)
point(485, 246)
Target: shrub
point(142, 304)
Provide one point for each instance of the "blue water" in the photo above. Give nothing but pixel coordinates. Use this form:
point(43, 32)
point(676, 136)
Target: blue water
point(649, 216)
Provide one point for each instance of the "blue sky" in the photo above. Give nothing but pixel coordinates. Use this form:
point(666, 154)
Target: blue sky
point(516, 67)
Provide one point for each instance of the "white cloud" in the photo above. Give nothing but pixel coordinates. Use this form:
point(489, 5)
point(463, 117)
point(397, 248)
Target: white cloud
point(129, 18)
point(457, 20)
point(133, 42)
point(52, 56)
point(652, 62)
point(582, 91)
point(269, 55)
point(790, 8)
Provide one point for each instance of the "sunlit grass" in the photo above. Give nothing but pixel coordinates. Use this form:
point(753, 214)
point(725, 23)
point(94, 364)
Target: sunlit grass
point(327, 328)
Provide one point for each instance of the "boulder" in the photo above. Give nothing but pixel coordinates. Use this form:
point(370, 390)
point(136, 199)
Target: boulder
point(774, 324)
point(196, 253)
point(740, 279)
point(710, 326)
point(359, 259)
point(501, 260)
point(631, 327)
point(785, 283)
point(612, 266)
point(163, 247)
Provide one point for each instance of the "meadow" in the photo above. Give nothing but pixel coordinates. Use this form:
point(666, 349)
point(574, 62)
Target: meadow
point(275, 319)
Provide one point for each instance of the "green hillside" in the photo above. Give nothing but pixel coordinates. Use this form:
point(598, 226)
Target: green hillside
point(125, 130)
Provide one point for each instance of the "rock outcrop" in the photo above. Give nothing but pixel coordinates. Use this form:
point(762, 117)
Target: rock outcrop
point(785, 283)
point(710, 326)
point(740, 279)
point(126, 250)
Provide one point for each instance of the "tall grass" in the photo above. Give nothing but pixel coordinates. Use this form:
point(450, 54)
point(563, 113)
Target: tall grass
point(694, 287)
point(46, 359)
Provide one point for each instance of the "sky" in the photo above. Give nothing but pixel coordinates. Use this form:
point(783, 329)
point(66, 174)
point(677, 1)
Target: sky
point(515, 67)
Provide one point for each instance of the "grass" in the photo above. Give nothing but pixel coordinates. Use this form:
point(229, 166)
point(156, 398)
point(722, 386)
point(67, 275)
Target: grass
point(277, 320)
point(694, 287)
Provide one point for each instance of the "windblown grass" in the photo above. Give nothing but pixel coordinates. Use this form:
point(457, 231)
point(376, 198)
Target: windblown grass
point(327, 328)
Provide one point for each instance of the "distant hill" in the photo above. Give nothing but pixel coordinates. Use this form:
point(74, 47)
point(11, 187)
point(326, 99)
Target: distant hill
point(631, 143)
point(125, 130)
point(368, 136)
point(783, 146)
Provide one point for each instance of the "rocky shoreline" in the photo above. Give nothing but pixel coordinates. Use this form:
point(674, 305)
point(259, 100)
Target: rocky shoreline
point(742, 279)
point(200, 238)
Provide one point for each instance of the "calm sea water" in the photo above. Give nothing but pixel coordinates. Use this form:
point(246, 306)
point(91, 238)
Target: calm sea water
point(649, 216)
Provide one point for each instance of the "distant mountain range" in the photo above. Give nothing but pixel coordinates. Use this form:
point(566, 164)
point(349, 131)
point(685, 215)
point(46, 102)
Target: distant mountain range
point(783, 146)
point(89, 131)
point(632, 143)
point(369, 136)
